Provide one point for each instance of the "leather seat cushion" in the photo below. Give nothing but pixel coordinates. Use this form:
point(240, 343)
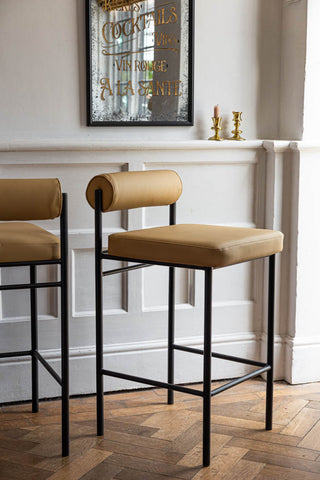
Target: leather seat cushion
point(199, 245)
point(23, 242)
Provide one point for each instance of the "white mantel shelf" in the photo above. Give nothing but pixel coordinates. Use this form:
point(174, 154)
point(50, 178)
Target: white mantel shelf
point(75, 145)
point(94, 145)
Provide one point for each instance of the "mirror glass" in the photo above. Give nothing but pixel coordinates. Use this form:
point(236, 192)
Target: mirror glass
point(140, 61)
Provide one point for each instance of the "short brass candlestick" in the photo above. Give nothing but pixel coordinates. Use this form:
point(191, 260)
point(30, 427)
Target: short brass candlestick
point(237, 119)
point(216, 127)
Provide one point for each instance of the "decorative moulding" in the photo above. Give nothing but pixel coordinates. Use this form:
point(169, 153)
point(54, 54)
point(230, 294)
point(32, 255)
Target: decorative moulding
point(301, 146)
point(277, 146)
point(88, 145)
point(125, 348)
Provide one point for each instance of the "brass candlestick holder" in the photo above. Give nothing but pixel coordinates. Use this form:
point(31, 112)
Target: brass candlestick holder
point(237, 119)
point(216, 127)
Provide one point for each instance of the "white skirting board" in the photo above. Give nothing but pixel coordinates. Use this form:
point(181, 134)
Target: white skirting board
point(303, 354)
point(147, 358)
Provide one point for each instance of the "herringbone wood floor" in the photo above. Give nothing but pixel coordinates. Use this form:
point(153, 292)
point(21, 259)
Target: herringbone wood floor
point(147, 440)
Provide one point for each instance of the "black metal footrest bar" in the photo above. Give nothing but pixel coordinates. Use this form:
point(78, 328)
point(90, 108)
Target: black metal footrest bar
point(154, 383)
point(48, 367)
point(28, 264)
point(240, 380)
point(22, 286)
point(230, 358)
point(125, 269)
point(23, 353)
point(39, 357)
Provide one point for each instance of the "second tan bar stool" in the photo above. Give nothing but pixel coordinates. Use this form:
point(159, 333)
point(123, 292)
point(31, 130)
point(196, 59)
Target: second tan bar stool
point(23, 244)
point(200, 247)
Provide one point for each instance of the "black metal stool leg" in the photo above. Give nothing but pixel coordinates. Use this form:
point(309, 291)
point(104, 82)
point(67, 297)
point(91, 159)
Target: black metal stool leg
point(270, 343)
point(99, 312)
point(171, 312)
point(207, 367)
point(171, 315)
point(64, 329)
point(34, 341)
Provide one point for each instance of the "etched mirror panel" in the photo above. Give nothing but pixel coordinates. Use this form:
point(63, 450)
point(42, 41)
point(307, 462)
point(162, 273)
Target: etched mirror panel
point(139, 62)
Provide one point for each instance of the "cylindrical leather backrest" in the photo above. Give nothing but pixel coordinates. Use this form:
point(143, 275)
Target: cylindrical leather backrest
point(125, 190)
point(30, 199)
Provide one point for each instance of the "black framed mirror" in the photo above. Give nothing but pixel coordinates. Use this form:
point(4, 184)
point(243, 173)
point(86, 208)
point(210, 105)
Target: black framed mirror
point(139, 62)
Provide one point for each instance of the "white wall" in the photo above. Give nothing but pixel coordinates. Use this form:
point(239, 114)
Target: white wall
point(300, 70)
point(293, 67)
point(43, 87)
point(312, 80)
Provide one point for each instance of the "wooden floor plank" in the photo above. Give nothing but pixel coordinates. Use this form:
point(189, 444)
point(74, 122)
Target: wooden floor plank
point(135, 419)
point(221, 464)
point(288, 409)
point(141, 452)
point(103, 471)
point(273, 448)
point(273, 472)
point(188, 439)
point(16, 444)
point(312, 439)
point(262, 435)
point(244, 470)
point(12, 433)
point(302, 423)
point(21, 458)
point(149, 466)
point(138, 440)
point(194, 457)
point(284, 409)
point(129, 474)
point(281, 461)
point(80, 466)
point(241, 410)
point(145, 409)
point(237, 422)
point(234, 398)
point(146, 439)
point(122, 426)
point(13, 471)
point(172, 423)
point(314, 404)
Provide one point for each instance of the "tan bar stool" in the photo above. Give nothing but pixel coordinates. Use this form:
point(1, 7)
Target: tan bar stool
point(25, 244)
point(200, 247)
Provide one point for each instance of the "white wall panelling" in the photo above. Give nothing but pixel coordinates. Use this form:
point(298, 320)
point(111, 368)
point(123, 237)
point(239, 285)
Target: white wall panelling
point(265, 184)
point(291, 204)
point(222, 185)
point(304, 342)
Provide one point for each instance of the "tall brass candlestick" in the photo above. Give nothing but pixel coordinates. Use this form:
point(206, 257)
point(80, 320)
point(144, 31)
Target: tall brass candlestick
point(216, 127)
point(237, 119)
